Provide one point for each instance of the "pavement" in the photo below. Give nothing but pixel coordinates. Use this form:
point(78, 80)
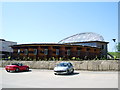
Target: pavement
point(37, 78)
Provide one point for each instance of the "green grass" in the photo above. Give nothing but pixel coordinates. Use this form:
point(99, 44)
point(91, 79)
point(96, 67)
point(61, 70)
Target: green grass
point(115, 54)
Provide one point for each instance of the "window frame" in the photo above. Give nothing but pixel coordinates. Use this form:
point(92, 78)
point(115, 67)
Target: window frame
point(68, 52)
point(26, 51)
point(35, 52)
point(57, 51)
point(78, 52)
point(18, 51)
point(46, 51)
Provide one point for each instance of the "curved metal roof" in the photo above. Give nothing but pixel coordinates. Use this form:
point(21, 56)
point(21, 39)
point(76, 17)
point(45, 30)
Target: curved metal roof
point(83, 37)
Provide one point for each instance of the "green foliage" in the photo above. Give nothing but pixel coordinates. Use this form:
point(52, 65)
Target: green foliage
point(45, 59)
point(49, 59)
point(96, 58)
point(78, 59)
point(115, 54)
point(34, 59)
point(73, 58)
point(60, 58)
point(53, 58)
point(85, 57)
point(102, 58)
point(118, 47)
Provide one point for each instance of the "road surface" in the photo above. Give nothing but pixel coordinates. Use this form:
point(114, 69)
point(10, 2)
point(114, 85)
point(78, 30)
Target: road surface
point(36, 78)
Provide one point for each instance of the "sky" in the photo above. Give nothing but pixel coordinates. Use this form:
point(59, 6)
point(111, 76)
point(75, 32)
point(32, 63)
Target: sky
point(36, 22)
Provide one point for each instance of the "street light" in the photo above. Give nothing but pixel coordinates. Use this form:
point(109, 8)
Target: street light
point(114, 40)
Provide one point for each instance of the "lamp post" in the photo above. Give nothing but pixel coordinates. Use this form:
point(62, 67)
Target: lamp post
point(114, 40)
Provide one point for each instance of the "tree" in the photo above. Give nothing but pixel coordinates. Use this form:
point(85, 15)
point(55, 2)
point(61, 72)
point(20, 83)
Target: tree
point(118, 47)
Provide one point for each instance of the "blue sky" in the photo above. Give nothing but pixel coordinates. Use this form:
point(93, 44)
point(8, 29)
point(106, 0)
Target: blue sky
point(30, 22)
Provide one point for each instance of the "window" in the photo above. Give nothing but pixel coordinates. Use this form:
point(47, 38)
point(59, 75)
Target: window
point(25, 51)
point(88, 49)
point(35, 52)
point(20, 64)
point(102, 46)
point(57, 51)
point(18, 51)
point(79, 48)
point(70, 64)
point(78, 52)
point(68, 52)
point(46, 51)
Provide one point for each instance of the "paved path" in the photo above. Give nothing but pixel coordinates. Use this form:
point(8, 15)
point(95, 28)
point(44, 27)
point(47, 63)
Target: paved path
point(36, 78)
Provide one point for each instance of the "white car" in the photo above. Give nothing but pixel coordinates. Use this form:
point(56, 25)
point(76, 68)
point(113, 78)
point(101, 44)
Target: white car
point(63, 68)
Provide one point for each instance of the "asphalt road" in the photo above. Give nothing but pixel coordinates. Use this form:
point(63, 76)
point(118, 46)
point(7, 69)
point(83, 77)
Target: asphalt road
point(36, 78)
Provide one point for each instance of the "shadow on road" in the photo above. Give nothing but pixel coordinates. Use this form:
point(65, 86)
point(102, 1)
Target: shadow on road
point(72, 74)
point(21, 71)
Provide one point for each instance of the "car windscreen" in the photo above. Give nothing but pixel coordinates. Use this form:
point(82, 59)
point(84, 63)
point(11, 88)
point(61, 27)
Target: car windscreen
point(18, 64)
point(15, 64)
point(62, 65)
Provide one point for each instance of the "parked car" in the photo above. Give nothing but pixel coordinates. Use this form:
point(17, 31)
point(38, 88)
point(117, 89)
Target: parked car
point(16, 67)
point(63, 68)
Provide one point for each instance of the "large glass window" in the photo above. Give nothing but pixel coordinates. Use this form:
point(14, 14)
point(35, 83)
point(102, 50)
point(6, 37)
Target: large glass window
point(46, 51)
point(78, 52)
point(102, 46)
point(87, 49)
point(57, 51)
point(25, 51)
point(18, 51)
point(35, 52)
point(68, 52)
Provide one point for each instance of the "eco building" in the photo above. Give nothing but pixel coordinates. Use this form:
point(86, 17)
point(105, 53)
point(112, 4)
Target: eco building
point(87, 45)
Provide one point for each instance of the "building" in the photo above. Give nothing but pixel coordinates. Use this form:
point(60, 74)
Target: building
point(88, 39)
point(84, 46)
point(52, 50)
point(5, 49)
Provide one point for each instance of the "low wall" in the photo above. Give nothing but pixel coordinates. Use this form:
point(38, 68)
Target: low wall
point(93, 65)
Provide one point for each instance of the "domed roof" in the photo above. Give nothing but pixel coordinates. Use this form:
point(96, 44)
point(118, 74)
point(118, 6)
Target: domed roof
point(83, 37)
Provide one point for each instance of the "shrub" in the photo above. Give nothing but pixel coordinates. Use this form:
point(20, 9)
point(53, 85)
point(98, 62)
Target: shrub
point(73, 58)
point(77, 58)
point(53, 58)
point(60, 58)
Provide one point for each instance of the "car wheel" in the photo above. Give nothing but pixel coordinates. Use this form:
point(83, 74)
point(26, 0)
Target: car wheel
point(17, 69)
point(27, 69)
point(68, 71)
point(72, 71)
point(55, 73)
point(8, 70)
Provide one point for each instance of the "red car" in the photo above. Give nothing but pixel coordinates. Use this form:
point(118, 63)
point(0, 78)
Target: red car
point(16, 67)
